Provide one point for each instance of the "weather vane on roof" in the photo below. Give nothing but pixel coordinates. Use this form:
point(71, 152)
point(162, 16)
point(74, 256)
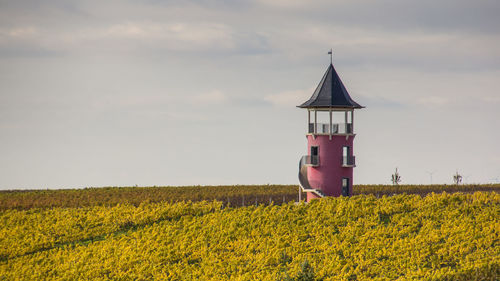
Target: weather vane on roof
point(330, 53)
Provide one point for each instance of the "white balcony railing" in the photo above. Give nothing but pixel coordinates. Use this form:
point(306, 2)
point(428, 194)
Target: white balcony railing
point(325, 129)
point(348, 161)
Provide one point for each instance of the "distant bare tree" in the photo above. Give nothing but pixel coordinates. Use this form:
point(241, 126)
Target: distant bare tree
point(457, 178)
point(396, 178)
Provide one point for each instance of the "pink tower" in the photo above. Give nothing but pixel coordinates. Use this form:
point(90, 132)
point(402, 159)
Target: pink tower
point(328, 167)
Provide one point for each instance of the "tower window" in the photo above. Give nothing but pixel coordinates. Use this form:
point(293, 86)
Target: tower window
point(347, 158)
point(345, 187)
point(314, 150)
point(314, 155)
point(345, 151)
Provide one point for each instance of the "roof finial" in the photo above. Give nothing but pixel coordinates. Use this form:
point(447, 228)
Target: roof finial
point(330, 53)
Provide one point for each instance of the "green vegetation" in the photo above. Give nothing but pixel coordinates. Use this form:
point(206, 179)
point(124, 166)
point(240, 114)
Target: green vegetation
point(405, 237)
point(237, 195)
point(380, 190)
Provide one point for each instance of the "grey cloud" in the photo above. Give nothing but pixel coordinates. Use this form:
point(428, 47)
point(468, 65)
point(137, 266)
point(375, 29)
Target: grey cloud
point(250, 102)
point(384, 103)
point(267, 30)
point(33, 12)
point(139, 38)
point(208, 3)
point(28, 52)
point(443, 15)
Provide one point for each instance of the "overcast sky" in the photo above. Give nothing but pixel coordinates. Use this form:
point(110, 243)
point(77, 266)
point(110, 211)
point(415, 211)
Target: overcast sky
point(115, 93)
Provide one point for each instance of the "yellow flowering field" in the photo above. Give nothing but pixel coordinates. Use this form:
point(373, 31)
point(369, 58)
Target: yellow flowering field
point(402, 237)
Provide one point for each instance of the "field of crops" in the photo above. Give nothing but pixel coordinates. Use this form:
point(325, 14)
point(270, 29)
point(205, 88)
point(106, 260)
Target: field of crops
point(237, 195)
point(405, 237)
point(380, 190)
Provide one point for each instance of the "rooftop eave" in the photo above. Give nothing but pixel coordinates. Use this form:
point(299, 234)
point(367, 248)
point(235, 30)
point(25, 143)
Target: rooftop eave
point(332, 107)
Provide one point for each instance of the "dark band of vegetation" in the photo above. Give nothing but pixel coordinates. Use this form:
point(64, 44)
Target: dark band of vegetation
point(237, 195)
point(380, 190)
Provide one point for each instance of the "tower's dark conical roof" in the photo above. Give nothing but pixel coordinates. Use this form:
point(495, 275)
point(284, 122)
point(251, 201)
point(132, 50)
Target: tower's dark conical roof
point(330, 93)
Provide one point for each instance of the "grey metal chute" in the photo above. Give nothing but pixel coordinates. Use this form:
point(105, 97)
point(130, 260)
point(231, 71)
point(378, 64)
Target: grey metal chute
point(305, 186)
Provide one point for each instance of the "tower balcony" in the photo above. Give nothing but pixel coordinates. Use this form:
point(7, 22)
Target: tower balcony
point(312, 161)
point(334, 129)
point(348, 161)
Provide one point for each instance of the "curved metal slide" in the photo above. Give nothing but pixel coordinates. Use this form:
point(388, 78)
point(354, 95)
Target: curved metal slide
point(303, 180)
